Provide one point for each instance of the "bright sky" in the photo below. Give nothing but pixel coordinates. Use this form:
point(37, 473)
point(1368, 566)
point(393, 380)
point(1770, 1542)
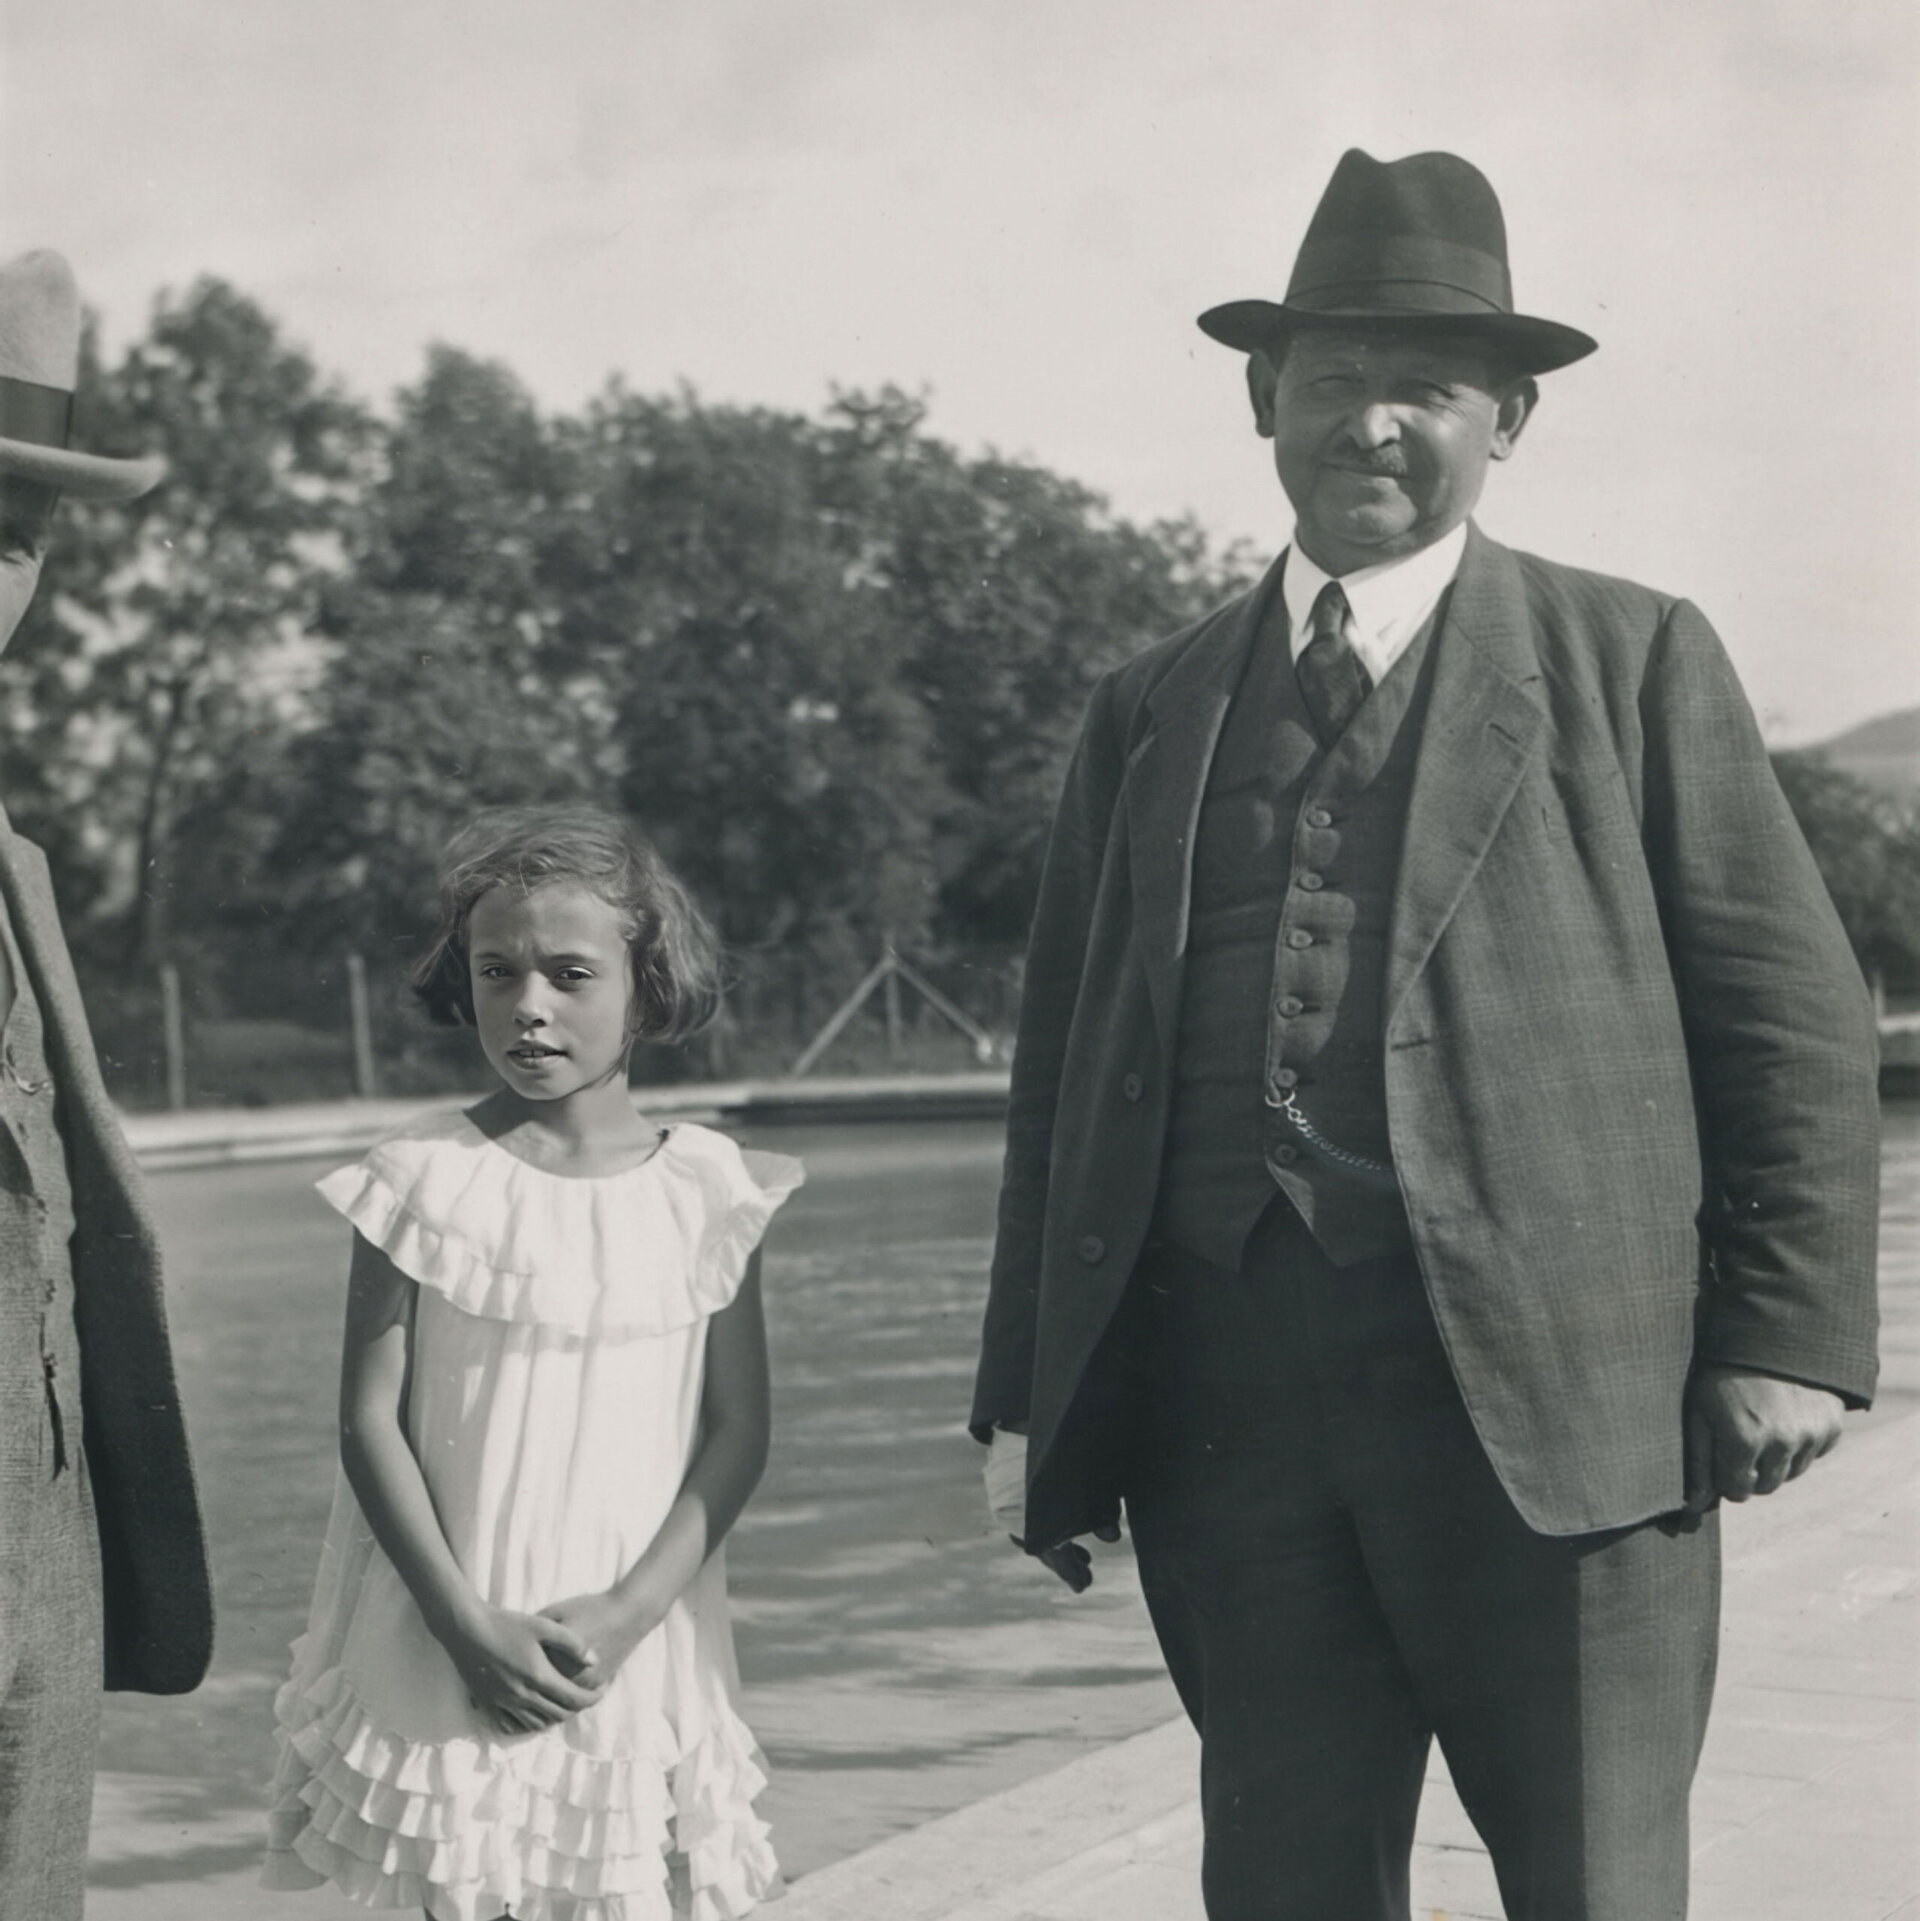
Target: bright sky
point(1020, 205)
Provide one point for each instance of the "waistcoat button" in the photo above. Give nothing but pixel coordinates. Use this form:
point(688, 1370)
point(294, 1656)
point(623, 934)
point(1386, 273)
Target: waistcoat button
point(1133, 1087)
point(1319, 817)
point(1092, 1249)
point(1289, 1005)
point(1283, 1155)
point(1285, 1077)
point(1311, 882)
point(1299, 937)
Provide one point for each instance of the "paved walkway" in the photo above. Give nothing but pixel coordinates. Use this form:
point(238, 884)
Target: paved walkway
point(1807, 1807)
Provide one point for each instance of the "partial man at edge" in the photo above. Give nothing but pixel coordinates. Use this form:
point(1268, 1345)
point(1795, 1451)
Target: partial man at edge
point(103, 1568)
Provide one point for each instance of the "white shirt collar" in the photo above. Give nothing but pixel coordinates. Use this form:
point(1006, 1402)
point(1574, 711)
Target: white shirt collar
point(1390, 602)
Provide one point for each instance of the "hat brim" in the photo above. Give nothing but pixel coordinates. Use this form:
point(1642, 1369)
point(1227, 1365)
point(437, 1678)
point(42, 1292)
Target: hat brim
point(84, 476)
point(1532, 346)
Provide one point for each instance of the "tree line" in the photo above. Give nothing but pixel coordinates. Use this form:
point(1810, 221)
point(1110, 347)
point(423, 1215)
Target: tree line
point(833, 663)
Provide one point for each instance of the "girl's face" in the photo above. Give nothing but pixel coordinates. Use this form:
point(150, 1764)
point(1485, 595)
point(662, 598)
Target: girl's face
point(552, 986)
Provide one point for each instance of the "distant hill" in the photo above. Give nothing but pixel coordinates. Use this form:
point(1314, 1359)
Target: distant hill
point(1884, 752)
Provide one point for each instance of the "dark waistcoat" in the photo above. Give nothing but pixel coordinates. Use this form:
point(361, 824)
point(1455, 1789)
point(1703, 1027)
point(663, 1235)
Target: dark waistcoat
point(39, 1349)
point(1295, 861)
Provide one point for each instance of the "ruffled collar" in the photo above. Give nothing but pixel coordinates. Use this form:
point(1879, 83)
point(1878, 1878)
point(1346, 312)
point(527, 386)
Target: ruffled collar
point(651, 1248)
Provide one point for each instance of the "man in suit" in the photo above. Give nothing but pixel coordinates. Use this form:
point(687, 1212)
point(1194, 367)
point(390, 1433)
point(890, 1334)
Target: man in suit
point(103, 1572)
point(1442, 1156)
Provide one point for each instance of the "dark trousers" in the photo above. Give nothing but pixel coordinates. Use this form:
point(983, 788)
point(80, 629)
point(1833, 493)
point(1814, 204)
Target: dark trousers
point(49, 1685)
point(1337, 1578)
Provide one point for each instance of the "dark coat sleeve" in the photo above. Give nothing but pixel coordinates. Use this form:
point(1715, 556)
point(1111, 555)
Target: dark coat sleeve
point(1056, 957)
point(156, 1587)
point(1779, 1030)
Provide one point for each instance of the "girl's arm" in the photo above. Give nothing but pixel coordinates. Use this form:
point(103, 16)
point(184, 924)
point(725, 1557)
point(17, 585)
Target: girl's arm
point(499, 1654)
point(729, 1458)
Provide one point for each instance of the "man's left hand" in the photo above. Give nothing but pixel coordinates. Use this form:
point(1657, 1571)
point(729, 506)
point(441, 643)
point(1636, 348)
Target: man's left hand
point(1750, 1433)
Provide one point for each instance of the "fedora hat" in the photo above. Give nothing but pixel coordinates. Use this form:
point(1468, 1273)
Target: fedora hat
point(1404, 245)
point(39, 363)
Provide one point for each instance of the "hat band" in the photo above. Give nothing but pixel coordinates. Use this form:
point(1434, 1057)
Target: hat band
point(41, 416)
point(1341, 266)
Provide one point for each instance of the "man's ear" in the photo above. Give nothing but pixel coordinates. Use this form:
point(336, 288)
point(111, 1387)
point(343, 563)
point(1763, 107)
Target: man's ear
point(1513, 410)
point(1263, 378)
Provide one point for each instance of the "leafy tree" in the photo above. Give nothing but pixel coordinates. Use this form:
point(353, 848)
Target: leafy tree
point(441, 691)
point(1867, 845)
point(848, 663)
point(765, 729)
point(473, 483)
point(1021, 589)
point(834, 664)
point(424, 716)
point(174, 634)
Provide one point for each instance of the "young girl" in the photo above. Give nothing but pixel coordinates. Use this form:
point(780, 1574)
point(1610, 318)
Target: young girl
point(515, 1692)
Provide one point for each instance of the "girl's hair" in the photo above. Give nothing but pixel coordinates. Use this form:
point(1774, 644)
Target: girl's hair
point(675, 954)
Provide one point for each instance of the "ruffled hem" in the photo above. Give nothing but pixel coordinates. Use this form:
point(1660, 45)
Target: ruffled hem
point(467, 1829)
point(644, 1252)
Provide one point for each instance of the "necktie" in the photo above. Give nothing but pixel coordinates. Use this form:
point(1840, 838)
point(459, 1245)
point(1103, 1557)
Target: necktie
point(1332, 681)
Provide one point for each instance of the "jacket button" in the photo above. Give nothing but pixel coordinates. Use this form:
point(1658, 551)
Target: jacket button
point(1133, 1087)
point(1092, 1249)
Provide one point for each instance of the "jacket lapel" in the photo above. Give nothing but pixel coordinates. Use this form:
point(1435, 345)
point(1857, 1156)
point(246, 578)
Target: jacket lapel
point(1166, 780)
point(1484, 724)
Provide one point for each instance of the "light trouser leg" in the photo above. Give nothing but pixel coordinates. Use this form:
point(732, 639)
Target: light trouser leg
point(50, 1668)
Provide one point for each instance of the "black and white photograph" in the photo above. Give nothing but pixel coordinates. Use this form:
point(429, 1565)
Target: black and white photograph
point(959, 961)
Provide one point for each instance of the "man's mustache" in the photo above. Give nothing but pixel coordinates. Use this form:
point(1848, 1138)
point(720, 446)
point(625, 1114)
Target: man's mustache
point(1390, 465)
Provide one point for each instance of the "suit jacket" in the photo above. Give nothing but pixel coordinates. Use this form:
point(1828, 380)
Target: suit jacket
point(158, 1606)
point(1630, 1062)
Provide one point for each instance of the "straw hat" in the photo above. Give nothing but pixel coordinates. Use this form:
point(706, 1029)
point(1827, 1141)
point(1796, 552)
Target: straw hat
point(39, 363)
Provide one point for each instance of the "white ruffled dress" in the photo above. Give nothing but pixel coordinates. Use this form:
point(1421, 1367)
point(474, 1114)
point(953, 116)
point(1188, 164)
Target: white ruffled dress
point(557, 1363)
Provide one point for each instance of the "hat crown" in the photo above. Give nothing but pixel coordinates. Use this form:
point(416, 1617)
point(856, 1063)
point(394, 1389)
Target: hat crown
point(1425, 193)
point(1423, 234)
point(39, 321)
point(39, 368)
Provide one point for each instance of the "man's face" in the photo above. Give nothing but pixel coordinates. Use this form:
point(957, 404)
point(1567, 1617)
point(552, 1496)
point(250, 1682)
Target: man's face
point(26, 517)
point(1382, 440)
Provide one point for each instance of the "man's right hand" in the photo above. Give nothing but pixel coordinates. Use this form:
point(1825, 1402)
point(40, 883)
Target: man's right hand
point(1072, 1562)
point(1006, 1472)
